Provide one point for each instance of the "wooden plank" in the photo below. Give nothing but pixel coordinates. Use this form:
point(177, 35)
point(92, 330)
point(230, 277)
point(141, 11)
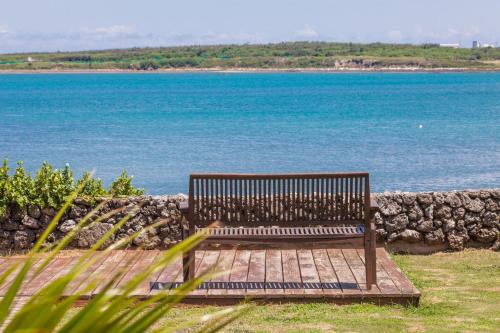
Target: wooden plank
point(397, 276)
point(17, 304)
point(112, 265)
point(344, 274)
point(205, 261)
point(384, 282)
point(274, 273)
point(256, 273)
point(6, 262)
point(130, 266)
point(81, 280)
point(291, 272)
point(173, 273)
point(309, 273)
point(358, 270)
point(147, 260)
point(223, 269)
point(327, 275)
point(66, 268)
point(54, 269)
point(207, 264)
point(37, 261)
point(239, 272)
point(13, 261)
point(170, 274)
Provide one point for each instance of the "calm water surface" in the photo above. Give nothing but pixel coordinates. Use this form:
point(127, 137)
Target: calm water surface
point(410, 131)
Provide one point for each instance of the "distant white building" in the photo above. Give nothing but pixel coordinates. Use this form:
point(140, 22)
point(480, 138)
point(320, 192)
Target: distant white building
point(452, 45)
point(477, 45)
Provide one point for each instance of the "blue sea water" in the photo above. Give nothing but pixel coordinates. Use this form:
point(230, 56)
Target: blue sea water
point(410, 131)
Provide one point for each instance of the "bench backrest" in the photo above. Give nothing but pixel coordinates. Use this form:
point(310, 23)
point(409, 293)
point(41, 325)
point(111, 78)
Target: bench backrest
point(278, 199)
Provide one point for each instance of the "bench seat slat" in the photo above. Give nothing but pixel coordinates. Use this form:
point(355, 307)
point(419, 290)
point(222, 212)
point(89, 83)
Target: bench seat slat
point(276, 232)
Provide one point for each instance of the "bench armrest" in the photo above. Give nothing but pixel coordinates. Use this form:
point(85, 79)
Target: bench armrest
point(183, 207)
point(374, 208)
point(374, 204)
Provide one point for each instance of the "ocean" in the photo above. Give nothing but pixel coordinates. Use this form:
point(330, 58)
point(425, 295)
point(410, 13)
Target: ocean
point(411, 131)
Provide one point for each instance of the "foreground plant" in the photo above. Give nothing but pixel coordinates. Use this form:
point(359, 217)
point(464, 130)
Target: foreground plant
point(108, 311)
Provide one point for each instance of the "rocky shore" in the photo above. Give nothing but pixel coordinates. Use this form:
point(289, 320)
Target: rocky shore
point(409, 222)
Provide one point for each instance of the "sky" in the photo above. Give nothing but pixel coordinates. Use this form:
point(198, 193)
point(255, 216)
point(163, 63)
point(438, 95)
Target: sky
point(68, 25)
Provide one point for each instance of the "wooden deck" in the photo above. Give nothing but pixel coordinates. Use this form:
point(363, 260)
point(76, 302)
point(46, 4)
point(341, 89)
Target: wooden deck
point(268, 275)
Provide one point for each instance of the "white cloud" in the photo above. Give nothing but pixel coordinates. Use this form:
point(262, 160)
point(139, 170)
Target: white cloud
point(114, 30)
point(395, 35)
point(450, 35)
point(307, 32)
point(472, 31)
point(117, 36)
point(3, 29)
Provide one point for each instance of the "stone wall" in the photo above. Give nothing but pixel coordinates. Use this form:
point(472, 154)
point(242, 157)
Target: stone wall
point(427, 222)
point(410, 222)
point(19, 229)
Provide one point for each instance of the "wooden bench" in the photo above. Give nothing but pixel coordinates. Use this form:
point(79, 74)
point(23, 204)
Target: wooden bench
point(281, 208)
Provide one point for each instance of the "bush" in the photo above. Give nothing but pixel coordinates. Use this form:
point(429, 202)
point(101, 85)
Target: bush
point(91, 188)
point(4, 187)
point(122, 186)
point(21, 188)
point(147, 65)
point(51, 187)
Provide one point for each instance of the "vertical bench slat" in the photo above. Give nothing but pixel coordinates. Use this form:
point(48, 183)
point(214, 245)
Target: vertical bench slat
point(308, 200)
point(346, 198)
point(203, 203)
point(350, 197)
point(249, 201)
point(211, 191)
point(355, 198)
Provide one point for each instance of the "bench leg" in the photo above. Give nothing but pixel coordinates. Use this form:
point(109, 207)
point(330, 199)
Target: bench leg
point(188, 265)
point(370, 257)
point(192, 264)
point(185, 267)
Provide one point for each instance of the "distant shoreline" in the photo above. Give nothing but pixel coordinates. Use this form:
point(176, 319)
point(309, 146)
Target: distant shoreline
point(253, 70)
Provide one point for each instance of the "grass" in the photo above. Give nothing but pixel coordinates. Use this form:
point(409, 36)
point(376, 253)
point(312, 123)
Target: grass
point(460, 293)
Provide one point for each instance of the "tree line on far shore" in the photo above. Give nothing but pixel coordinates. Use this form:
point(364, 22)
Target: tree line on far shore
point(267, 56)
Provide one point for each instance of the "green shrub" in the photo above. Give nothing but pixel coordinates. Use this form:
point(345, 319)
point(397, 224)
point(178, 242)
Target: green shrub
point(51, 187)
point(122, 186)
point(92, 187)
point(4, 186)
point(148, 65)
point(21, 187)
